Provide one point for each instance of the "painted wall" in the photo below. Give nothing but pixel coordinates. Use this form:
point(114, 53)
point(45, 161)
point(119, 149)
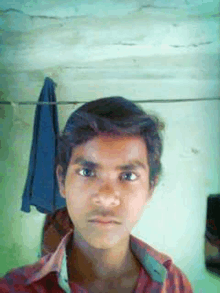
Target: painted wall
point(142, 50)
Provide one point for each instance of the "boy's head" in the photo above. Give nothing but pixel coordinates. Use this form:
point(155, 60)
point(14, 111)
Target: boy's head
point(108, 165)
point(114, 116)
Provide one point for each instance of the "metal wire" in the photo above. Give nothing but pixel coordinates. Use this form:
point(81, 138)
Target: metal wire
point(82, 102)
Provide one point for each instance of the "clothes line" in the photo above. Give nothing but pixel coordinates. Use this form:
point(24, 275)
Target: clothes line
point(82, 102)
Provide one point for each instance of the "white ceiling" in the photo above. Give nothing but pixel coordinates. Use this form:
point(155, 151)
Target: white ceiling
point(100, 48)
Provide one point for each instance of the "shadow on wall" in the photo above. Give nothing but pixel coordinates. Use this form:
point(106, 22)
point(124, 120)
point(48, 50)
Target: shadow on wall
point(212, 235)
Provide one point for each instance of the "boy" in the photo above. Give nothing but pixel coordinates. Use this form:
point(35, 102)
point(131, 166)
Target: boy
point(107, 167)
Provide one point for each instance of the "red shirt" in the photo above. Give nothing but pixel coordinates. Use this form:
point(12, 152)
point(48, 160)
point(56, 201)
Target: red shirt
point(49, 274)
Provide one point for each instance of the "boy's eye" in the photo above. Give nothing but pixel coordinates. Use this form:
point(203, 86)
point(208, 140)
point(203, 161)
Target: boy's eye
point(86, 172)
point(130, 176)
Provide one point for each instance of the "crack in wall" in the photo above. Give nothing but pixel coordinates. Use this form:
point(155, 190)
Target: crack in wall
point(39, 16)
point(78, 16)
point(216, 15)
point(125, 44)
point(174, 46)
point(11, 10)
point(191, 45)
point(157, 7)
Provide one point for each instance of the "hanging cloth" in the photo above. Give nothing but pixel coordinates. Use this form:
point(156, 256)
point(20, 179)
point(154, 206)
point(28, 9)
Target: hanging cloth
point(41, 188)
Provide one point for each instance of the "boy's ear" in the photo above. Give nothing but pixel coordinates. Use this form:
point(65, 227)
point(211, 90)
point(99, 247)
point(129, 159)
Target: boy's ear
point(60, 179)
point(153, 185)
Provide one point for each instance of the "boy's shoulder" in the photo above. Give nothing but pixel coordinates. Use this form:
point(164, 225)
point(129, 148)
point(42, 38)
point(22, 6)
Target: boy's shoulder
point(19, 279)
point(160, 267)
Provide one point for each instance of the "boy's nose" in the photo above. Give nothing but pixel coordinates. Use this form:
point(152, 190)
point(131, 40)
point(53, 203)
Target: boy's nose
point(107, 196)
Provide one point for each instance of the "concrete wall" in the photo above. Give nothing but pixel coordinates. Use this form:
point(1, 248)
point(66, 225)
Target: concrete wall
point(142, 50)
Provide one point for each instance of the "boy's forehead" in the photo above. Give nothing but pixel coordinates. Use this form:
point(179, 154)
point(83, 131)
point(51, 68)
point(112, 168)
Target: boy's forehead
point(118, 151)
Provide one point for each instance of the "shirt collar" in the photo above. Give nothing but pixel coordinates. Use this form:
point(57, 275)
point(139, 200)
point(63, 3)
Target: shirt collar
point(52, 262)
point(153, 262)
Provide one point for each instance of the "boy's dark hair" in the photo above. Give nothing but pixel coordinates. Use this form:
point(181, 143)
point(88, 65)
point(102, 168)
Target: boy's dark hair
point(115, 116)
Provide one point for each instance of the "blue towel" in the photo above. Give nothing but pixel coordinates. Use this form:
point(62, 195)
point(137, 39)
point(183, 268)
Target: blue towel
point(41, 189)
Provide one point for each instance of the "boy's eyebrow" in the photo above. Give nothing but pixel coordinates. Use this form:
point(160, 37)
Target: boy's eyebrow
point(86, 163)
point(131, 165)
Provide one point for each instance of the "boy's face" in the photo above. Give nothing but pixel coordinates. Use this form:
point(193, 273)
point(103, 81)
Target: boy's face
point(106, 188)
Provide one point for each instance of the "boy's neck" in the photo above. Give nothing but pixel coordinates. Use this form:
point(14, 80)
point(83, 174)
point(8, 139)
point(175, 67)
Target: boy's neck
point(91, 264)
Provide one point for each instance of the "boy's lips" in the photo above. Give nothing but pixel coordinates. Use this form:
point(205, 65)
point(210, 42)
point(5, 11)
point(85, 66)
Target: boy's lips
point(104, 220)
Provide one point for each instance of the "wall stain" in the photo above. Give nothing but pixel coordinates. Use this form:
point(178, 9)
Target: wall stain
point(2, 112)
point(194, 151)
